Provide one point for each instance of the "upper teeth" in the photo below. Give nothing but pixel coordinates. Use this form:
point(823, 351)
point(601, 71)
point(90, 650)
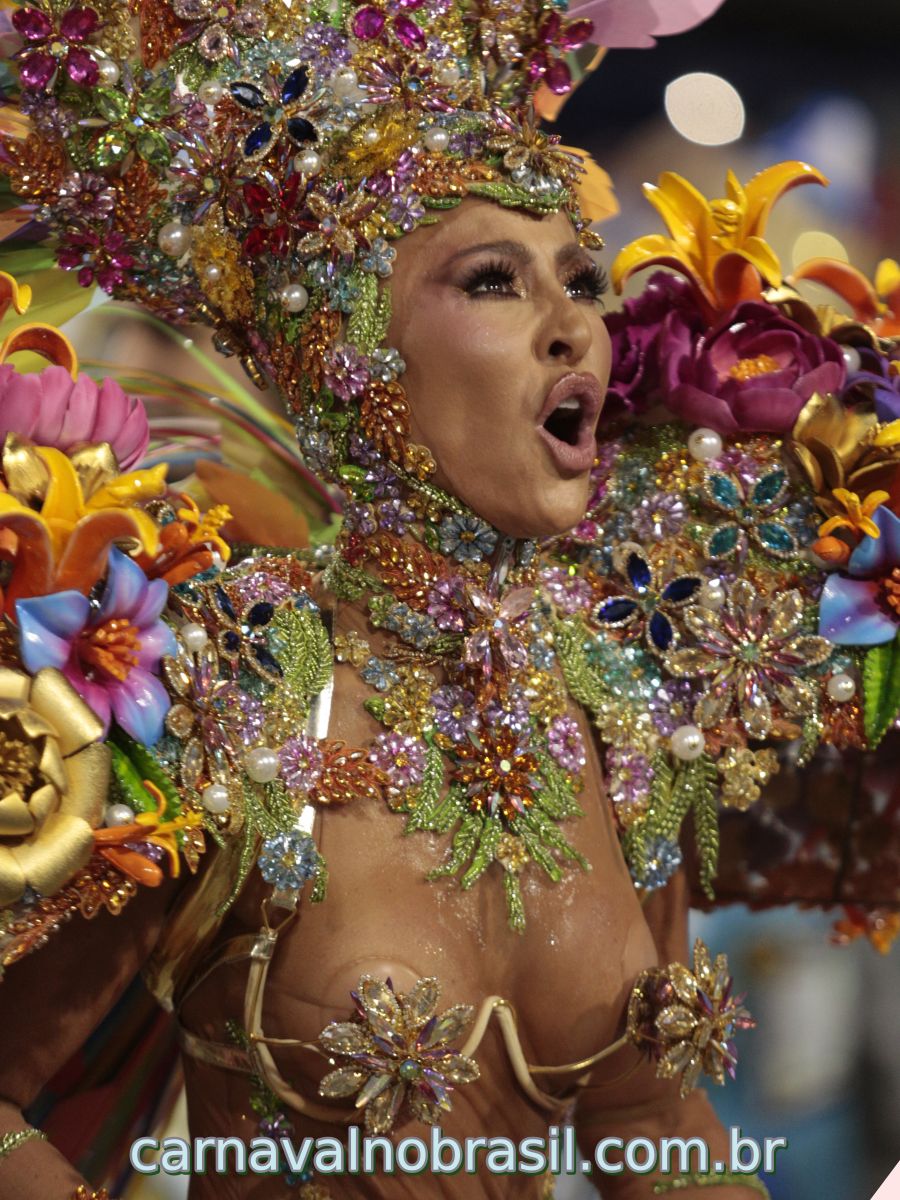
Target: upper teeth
point(570, 402)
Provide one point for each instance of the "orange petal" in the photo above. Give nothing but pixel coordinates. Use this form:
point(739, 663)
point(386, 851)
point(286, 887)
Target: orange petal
point(44, 340)
point(84, 559)
point(736, 279)
point(11, 293)
point(136, 866)
point(33, 570)
point(849, 283)
point(768, 186)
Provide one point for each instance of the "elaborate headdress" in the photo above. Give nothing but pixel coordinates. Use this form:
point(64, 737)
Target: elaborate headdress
point(249, 164)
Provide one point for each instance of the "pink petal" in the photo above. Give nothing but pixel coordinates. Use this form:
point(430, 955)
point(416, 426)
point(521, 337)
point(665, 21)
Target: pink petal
point(37, 70)
point(81, 67)
point(78, 23)
point(56, 387)
point(140, 703)
point(151, 605)
point(92, 693)
point(156, 640)
point(630, 24)
point(20, 401)
point(80, 412)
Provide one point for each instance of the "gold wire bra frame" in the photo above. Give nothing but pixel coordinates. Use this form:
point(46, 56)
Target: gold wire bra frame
point(257, 1059)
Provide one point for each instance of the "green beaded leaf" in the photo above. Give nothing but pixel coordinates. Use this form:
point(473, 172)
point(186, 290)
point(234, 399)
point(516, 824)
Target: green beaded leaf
point(881, 689)
point(423, 803)
point(508, 195)
point(304, 651)
point(367, 327)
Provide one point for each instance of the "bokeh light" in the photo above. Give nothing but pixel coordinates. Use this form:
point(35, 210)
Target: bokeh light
point(705, 108)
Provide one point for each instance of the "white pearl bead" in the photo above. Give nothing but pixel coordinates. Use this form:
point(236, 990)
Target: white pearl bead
point(194, 637)
point(704, 444)
point(343, 81)
point(294, 297)
point(851, 358)
point(308, 163)
point(174, 239)
point(215, 798)
point(262, 764)
point(118, 814)
point(212, 273)
point(211, 92)
point(712, 594)
point(841, 687)
point(688, 743)
point(448, 74)
point(370, 135)
point(109, 72)
point(437, 138)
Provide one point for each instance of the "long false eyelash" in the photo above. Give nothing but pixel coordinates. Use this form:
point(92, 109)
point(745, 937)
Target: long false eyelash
point(592, 277)
point(495, 269)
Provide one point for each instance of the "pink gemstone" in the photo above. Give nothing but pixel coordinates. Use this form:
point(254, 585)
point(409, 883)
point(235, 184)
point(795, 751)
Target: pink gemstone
point(32, 24)
point(576, 34)
point(409, 33)
point(368, 22)
point(537, 65)
point(38, 70)
point(78, 24)
point(558, 79)
point(549, 28)
point(81, 68)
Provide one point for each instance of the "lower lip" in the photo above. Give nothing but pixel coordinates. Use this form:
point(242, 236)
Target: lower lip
point(569, 459)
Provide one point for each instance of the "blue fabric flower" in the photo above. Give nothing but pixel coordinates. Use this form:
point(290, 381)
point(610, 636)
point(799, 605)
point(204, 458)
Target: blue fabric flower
point(467, 539)
point(853, 610)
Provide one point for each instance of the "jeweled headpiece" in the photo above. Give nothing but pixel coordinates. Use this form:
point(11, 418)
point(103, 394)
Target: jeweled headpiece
point(249, 164)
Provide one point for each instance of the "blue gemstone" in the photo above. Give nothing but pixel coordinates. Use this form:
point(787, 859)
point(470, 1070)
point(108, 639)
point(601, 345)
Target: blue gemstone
point(301, 130)
point(224, 603)
point(681, 589)
point(248, 95)
point(261, 614)
point(257, 139)
point(660, 631)
point(295, 85)
point(267, 661)
point(776, 537)
point(766, 491)
point(617, 609)
point(639, 572)
point(724, 491)
point(723, 541)
point(231, 641)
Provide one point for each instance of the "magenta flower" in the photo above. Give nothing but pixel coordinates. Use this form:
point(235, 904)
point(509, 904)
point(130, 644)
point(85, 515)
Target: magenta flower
point(455, 714)
point(752, 373)
point(302, 762)
point(555, 39)
point(94, 257)
point(447, 604)
point(401, 757)
point(566, 743)
point(569, 593)
point(51, 409)
point(109, 654)
point(346, 372)
point(84, 195)
point(634, 333)
point(50, 46)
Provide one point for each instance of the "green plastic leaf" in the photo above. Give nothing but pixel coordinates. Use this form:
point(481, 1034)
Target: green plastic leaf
point(881, 689)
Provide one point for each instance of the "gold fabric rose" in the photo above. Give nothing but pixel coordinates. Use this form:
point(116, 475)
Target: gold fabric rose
point(54, 778)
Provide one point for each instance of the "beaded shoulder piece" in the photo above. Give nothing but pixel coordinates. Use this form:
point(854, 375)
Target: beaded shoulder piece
point(731, 603)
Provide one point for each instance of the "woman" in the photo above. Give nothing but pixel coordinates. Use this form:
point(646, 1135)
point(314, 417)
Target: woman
point(351, 200)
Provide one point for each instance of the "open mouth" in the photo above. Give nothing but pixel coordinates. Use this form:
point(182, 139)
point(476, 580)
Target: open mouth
point(568, 420)
point(565, 422)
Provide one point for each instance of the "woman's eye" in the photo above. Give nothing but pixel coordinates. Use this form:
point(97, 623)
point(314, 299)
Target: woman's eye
point(491, 279)
point(591, 282)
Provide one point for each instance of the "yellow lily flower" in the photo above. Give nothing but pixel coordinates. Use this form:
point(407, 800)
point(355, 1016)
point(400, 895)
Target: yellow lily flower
point(719, 245)
point(888, 435)
point(64, 503)
point(858, 513)
point(162, 833)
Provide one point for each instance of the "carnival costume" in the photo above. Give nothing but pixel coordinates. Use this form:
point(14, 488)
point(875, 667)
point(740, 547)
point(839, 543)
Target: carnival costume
point(729, 603)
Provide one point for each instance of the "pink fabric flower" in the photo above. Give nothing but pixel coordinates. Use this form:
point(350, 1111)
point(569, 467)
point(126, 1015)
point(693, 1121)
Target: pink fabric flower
point(51, 409)
point(401, 757)
point(752, 373)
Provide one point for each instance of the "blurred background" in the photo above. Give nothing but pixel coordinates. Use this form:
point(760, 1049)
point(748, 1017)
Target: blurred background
point(760, 82)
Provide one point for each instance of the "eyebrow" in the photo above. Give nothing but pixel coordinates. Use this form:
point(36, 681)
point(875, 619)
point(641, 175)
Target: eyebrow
point(565, 254)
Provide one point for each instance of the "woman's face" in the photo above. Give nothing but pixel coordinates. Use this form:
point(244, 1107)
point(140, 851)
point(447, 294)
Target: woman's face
point(495, 312)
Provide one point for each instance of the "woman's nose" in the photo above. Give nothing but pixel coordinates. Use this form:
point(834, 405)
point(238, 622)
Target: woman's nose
point(567, 333)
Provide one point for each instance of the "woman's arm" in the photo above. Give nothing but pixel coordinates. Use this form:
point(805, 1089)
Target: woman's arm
point(50, 1002)
point(632, 1102)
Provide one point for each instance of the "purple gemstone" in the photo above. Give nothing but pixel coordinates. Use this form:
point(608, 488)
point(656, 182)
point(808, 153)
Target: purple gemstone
point(81, 68)
point(576, 34)
point(558, 78)
point(78, 24)
point(537, 66)
point(409, 33)
point(368, 23)
point(32, 24)
point(37, 70)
